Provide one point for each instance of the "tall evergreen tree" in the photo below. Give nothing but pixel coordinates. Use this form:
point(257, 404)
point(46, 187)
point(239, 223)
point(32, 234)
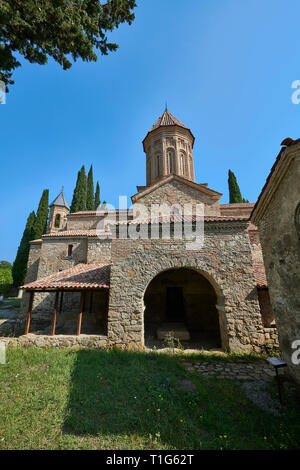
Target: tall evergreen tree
point(20, 264)
point(40, 223)
point(90, 198)
point(97, 196)
point(80, 192)
point(234, 190)
point(75, 195)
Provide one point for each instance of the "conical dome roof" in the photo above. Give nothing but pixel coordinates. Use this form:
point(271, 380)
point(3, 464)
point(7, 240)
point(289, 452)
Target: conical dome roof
point(60, 201)
point(167, 119)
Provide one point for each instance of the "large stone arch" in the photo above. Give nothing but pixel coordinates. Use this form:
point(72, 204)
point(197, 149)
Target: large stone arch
point(195, 285)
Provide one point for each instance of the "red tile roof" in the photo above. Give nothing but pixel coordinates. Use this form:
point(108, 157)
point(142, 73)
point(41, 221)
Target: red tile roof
point(73, 233)
point(239, 205)
point(177, 218)
point(260, 275)
point(79, 277)
point(167, 119)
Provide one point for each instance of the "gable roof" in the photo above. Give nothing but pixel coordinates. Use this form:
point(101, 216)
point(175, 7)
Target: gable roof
point(167, 179)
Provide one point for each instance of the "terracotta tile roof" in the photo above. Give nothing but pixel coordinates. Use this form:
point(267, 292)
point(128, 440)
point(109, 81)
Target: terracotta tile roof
point(99, 212)
point(177, 218)
point(167, 119)
point(241, 205)
point(260, 275)
point(72, 233)
point(81, 276)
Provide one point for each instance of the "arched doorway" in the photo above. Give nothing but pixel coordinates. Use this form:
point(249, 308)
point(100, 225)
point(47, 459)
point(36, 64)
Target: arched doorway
point(183, 301)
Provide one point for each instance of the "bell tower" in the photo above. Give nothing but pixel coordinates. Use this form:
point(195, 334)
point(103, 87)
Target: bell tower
point(169, 149)
point(58, 213)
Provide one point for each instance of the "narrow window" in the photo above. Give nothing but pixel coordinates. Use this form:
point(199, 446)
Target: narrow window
point(70, 249)
point(57, 221)
point(157, 165)
point(182, 164)
point(171, 162)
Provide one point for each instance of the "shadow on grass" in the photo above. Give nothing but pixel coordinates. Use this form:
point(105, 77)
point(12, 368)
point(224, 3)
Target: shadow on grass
point(128, 393)
point(143, 397)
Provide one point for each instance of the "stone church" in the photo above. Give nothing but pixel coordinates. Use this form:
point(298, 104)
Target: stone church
point(88, 279)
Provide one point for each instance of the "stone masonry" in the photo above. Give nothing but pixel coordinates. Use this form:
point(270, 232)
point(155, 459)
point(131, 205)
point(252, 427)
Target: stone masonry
point(227, 260)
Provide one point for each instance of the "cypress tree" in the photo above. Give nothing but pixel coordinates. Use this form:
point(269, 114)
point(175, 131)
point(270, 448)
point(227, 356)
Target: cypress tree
point(40, 223)
point(20, 264)
point(234, 190)
point(75, 195)
point(80, 192)
point(97, 196)
point(90, 198)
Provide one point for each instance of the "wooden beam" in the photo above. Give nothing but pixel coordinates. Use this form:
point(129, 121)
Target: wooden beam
point(54, 314)
point(82, 299)
point(29, 313)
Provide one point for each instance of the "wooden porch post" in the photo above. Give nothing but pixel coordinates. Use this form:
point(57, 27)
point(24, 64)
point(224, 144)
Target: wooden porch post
point(82, 298)
point(54, 314)
point(29, 313)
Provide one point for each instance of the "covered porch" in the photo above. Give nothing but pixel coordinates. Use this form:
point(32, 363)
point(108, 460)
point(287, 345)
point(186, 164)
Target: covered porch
point(89, 283)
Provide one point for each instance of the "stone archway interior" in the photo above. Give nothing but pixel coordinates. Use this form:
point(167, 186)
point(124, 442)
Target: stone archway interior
point(184, 299)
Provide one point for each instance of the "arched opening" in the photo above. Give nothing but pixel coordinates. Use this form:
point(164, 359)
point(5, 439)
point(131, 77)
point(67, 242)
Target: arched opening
point(181, 301)
point(57, 221)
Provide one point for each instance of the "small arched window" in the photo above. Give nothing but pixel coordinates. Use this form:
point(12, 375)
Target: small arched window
point(182, 163)
point(158, 165)
point(148, 170)
point(171, 161)
point(57, 221)
point(70, 250)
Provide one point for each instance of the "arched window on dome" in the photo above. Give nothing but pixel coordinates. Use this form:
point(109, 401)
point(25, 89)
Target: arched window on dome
point(182, 163)
point(157, 165)
point(148, 171)
point(171, 161)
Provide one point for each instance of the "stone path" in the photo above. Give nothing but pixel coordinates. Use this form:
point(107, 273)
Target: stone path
point(235, 371)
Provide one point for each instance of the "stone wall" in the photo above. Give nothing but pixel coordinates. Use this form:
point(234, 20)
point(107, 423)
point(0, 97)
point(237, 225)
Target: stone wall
point(98, 251)
point(61, 341)
point(225, 260)
point(176, 192)
point(281, 251)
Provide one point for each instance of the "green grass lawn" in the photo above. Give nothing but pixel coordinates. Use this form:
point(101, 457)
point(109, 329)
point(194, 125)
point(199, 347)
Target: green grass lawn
point(67, 399)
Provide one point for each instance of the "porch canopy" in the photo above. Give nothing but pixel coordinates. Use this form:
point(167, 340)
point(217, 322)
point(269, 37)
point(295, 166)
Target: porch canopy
point(80, 278)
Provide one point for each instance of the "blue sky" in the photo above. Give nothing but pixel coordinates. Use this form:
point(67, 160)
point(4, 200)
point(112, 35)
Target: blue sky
point(225, 68)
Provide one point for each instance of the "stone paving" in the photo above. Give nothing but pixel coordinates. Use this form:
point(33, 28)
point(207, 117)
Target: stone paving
point(235, 371)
